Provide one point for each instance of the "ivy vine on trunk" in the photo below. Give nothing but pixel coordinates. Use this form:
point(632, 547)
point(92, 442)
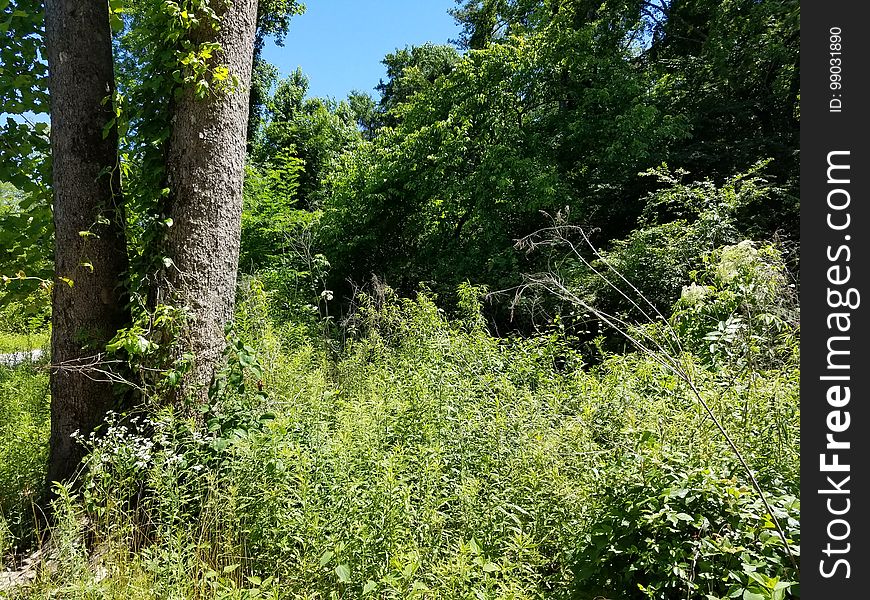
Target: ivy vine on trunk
point(205, 171)
point(190, 187)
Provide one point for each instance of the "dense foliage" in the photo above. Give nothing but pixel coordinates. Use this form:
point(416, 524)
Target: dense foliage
point(430, 459)
point(567, 106)
point(25, 167)
point(431, 388)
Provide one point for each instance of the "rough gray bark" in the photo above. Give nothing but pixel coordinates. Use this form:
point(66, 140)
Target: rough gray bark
point(86, 186)
point(205, 170)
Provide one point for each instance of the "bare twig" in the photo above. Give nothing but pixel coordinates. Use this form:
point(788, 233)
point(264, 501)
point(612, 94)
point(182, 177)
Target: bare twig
point(97, 368)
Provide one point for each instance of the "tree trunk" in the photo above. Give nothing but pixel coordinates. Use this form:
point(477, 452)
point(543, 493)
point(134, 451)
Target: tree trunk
point(205, 168)
point(88, 304)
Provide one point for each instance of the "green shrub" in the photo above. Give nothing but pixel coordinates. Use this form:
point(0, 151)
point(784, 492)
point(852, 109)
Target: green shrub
point(677, 530)
point(26, 316)
point(740, 310)
point(682, 225)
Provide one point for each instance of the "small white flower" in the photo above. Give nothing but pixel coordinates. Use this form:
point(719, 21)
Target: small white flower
point(693, 293)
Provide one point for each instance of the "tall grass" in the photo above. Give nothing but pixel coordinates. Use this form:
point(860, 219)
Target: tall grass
point(24, 428)
point(431, 460)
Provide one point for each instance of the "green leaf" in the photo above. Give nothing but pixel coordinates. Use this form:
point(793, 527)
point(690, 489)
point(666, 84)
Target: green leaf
point(369, 587)
point(342, 571)
point(142, 344)
point(325, 558)
point(107, 128)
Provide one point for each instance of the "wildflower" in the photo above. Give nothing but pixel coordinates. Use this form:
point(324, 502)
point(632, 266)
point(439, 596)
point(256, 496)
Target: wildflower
point(693, 294)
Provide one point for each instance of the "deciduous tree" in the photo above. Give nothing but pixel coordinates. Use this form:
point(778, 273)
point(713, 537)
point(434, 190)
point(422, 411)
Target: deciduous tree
point(90, 254)
point(205, 167)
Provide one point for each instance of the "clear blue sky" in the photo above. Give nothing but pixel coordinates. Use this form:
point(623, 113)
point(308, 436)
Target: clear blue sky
point(340, 43)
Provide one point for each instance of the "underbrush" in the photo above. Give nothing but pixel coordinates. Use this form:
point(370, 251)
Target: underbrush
point(24, 322)
point(24, 428)
point(432, 460)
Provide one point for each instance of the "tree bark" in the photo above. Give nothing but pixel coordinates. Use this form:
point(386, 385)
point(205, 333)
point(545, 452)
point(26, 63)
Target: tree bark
point(205, 169)
point(86, 185)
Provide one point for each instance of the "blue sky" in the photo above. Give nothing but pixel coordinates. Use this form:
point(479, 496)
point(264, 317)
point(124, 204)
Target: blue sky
point(340, 43)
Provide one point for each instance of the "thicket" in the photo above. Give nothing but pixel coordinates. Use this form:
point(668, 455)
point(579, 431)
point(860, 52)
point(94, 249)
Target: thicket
point(428, 458)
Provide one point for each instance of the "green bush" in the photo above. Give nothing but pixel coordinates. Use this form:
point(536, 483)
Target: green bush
point(682, 226)
point(677, 530)
point(740, 310)
point(25, 316)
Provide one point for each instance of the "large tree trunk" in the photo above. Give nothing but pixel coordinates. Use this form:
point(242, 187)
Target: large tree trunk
point(205, 168)
point(87, 303)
